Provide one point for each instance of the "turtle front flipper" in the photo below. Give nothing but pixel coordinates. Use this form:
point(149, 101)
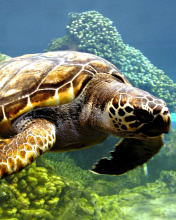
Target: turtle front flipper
point(18, 152)
point(129, 153)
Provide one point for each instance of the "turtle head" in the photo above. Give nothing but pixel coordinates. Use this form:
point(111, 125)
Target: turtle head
point(136, 113)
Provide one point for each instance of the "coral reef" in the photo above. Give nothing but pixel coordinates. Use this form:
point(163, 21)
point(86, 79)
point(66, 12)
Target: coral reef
point(135, 203)
point(39, 193)
point(65, 167)
point(30, 194)
point(35, 193)
point(169, 177)
point(165, 159)
point(150, 201)
point(43, 192)
point(61, 190)
point(92, 32)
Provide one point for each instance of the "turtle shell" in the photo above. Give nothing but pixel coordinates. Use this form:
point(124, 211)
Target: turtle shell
point(46, 79)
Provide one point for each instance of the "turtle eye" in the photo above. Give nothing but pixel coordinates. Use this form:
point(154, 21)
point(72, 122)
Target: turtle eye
point(143, 115)
point(120, 79)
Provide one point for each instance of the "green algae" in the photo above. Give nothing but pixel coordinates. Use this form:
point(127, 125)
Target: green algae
point(58, 194)
point(65, 167)
point(36, 193)
point(165, 159)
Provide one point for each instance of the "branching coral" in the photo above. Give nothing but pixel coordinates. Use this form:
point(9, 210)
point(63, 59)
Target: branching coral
point(92, 32)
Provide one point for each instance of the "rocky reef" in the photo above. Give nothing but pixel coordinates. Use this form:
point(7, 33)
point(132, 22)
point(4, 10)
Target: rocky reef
point(92, 32)
point(30, 194)
point(38, 193)
point(165, 159)
point(41, 193)
point(54, 187)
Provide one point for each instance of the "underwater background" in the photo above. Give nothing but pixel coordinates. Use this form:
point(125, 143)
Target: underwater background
point(139, 37)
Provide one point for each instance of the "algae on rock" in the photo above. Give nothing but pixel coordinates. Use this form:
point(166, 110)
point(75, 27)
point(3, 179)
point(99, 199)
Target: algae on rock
point(65, 192)
point(35, 193)
point(38, 193)
point(4, 57)
point(165, 159)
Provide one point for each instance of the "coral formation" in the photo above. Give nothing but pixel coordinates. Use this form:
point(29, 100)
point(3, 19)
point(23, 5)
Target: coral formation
point(65, 167)
point(169, 177)
point(92, 32)
point(165, 159)
point(36, 194)
point(30, 194)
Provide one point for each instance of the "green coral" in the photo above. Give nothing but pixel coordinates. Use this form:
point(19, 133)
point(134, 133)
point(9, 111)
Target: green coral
point(4, 57)
point(33, 193)
point(169, 177)
point(92, 32)
point(165, 159)
point(65, 192)
point(65, 43)
point(65, 167)
point(38, 193)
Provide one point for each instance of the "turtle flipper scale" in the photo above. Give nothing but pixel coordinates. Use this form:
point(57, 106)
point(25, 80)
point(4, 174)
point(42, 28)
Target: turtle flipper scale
point(129, 153)
point(21, 150)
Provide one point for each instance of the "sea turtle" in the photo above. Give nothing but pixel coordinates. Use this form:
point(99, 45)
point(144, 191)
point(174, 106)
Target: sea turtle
point(67, 100)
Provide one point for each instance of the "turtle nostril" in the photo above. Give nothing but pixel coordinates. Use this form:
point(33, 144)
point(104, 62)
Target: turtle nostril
point(165, 111)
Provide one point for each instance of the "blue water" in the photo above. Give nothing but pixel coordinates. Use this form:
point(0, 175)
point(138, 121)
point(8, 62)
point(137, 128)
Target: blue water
point(173, 120)
point(27, 27)
point(71, 192)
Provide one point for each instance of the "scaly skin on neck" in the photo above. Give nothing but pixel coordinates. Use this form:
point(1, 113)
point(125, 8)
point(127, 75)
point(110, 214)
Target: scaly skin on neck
point(89, 119)
point(123, 110)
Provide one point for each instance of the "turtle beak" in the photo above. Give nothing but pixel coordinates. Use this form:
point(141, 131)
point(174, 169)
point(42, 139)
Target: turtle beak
point(159, 125)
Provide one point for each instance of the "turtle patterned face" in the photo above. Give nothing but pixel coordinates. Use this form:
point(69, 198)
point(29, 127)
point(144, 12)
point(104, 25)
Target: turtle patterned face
point(136, 113)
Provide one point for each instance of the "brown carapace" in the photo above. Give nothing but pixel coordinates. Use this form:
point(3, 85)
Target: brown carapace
point(69, 100)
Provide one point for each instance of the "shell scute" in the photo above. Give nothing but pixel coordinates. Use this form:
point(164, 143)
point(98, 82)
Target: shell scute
point(59, 76)
point(100, 66)
point(78, 58)
point(80, 81)
point(66, 94)
point(25, 81)
point(9, 69)
point(49, 79)
point(42, 98)
point(12, 109)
